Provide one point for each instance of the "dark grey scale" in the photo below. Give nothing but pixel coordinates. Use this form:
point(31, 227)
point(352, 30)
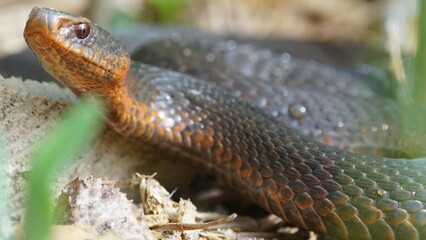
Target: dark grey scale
point(352, 190)
point(389, 185)
point(388, 171)
point(318, 100)
point(314, 75)
point(413, 187)
point(369, 215)
point(366, 183)
point(252, 61)
point(343, 179)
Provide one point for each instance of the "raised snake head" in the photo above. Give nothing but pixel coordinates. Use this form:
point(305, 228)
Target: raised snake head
point(77, 52)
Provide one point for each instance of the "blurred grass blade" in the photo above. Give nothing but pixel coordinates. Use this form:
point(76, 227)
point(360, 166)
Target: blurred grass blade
point(5, 225)
point(77, 129)
point(419, 89)
point(166, 9)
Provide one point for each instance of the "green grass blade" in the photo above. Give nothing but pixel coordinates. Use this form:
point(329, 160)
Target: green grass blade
point(167, 9)
point(77, 129)
point(419, 89)
point(5, 225)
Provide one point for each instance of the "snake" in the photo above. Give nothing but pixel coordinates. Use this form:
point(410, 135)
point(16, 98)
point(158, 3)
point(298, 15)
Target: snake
point(239, 136)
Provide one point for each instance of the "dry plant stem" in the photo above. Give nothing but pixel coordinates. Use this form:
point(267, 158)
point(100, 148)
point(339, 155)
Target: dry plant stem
point(269, 235)
point(193, 226)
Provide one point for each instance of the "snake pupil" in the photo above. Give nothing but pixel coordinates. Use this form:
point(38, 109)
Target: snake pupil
point(82, 30)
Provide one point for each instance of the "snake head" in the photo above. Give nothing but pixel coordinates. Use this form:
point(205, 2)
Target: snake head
point(80, 54)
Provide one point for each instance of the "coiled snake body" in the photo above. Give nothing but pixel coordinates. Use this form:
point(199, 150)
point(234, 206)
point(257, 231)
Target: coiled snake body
point(338, 194)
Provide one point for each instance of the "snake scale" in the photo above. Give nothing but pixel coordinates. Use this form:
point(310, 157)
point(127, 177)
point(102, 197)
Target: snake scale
point(245, 137)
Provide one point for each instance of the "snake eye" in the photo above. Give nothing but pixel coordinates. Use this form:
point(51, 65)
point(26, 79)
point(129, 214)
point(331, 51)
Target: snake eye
point(82, 30)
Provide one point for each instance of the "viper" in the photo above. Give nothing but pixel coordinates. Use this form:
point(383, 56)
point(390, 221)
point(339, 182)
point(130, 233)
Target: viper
point(233, 127)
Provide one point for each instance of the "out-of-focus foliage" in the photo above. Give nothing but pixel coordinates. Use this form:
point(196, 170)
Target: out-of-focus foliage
point(120, 19)
point(75, 131)
point(5, 226)
point(419, 83)
point(166, 11)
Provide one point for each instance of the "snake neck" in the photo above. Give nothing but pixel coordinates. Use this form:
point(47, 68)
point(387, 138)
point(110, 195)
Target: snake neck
point(125, 113)
point(119, 106)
